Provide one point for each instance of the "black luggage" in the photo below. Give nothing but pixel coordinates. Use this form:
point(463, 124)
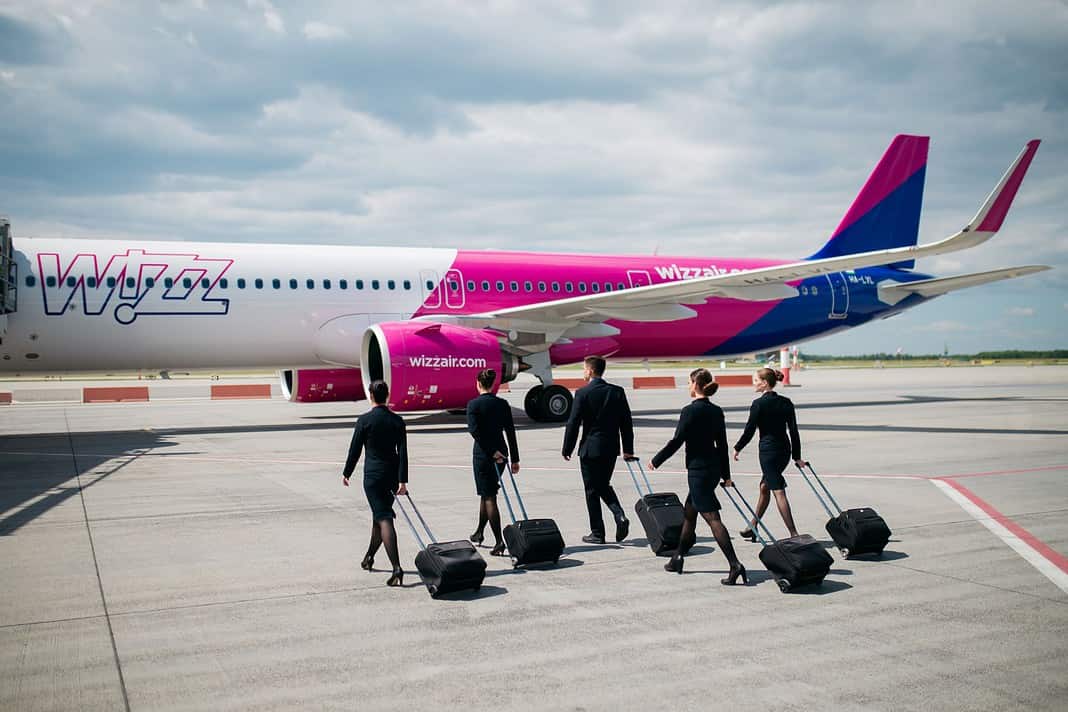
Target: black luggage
point(660, 513)
point(855, 531)
point(794, 562)
point(529, 541)
point(447, 566)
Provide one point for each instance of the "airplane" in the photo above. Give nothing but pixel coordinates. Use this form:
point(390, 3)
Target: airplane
point(332, 319)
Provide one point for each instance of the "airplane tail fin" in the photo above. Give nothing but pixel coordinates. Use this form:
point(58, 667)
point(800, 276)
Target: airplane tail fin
point(886, 212)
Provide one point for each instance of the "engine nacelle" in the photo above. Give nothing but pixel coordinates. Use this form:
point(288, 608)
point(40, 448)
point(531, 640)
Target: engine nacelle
point(322, 385)
point(432, 366)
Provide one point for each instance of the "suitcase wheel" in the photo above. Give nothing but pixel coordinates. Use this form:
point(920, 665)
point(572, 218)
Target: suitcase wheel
point(784, 585)
point(845, 551)
point(432, 588)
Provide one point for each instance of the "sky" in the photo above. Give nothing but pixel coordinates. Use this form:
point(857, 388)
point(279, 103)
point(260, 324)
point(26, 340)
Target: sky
point(722, 129)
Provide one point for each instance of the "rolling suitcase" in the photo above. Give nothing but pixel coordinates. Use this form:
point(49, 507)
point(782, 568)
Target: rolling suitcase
point(855, 531)
point(529, 541)
point(659, 512)
point(793, 562)
point(445, 566)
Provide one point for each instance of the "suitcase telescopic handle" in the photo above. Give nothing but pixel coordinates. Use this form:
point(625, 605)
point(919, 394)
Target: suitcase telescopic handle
point(415, 532)
point(816, 492)
point(419, 516)
point(631, 462)
point(827, 491)
point(759, 523)
point(515, 488)
point(504, 491)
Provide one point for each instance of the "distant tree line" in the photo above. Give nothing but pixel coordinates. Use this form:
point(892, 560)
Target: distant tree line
point(983, 355)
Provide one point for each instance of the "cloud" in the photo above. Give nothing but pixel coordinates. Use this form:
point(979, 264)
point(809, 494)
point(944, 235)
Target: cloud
point(945, 326)
point(1021, 311)
point(271, 18)
point(323, 31)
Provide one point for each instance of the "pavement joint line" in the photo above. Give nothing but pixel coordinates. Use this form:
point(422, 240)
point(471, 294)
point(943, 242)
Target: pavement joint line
point(74, 619)
point(1048, 562)
point(976, 583)
point(96, 567)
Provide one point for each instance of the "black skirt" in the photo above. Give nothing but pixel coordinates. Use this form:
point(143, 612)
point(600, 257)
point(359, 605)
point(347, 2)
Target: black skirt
point(380, 496)
point(772, 463)
point(486, 481)
point(703, 490)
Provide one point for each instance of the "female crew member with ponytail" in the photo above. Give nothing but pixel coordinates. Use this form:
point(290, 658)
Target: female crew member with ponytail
point(773, 415)
point(489, 420)
point(702, 428)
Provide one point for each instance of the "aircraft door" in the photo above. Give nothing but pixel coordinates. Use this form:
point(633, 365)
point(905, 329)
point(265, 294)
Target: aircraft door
point(454, 289)
point(432, 288)
point(638, 278)
point(839, 296)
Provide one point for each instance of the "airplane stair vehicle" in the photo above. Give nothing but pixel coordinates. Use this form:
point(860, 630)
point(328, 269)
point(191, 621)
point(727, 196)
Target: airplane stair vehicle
point(8, 276)
point(660, 513)
point(793, 562)
point(529, 541)
point(855, 531)
point(447, 566)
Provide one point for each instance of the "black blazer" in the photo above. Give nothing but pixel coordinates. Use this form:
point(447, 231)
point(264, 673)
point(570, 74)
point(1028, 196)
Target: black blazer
point(773, 414)
point(489, 420)
point(382, 433)
point(602, 410)
point(704, 430)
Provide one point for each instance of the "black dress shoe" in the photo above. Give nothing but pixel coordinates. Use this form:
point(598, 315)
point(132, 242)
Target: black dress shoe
point(732, 577)
point(748, 534)
point(368, 563)
point(622, 529)
point(674, 564)
point(397, 579)
point(477, 538)
point(592, 538)
point(498, 550)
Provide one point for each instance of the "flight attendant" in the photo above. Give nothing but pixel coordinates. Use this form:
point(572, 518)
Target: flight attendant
point(601, 409)
point(703, 429)
point(385, 474)
point(489, 420)
point(773, 415)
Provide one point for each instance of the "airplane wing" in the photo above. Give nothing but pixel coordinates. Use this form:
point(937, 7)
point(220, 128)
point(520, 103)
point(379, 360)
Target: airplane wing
point(894, 292)
point(582, 315)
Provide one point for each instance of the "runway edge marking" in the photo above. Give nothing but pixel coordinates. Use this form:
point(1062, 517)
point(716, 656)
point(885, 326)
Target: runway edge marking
point(1048, 562)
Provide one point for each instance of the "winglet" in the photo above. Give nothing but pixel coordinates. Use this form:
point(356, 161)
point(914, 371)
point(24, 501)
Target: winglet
point(996, 207)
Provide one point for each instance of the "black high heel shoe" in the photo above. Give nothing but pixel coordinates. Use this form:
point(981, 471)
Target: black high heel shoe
point(749, 534)
point(397, 579)
point(675, 564)
point(732, 577)
point(477, 538)
point(368, 563)
point(498, 550)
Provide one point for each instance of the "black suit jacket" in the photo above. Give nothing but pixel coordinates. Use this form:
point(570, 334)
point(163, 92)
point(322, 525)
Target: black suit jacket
point(381, 432)
point(489, 420)
point(703, 429)
point(603, 412)
point(773, 415)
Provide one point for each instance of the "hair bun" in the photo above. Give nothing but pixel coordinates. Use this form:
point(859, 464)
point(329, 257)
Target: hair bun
point(779, 377)
point(711, 388)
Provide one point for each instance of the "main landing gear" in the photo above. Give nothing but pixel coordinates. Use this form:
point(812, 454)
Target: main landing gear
point(548, 404)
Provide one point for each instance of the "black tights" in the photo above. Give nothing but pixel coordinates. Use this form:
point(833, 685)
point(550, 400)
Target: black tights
point(689, 533)
point(383, 532)
point(489, 512)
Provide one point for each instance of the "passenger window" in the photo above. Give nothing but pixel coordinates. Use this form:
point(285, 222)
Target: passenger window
point(528, 287)
point(514, 286)
point(310, 283)
point(168, 282)
point(130, 283)
point(429, 286)
point(622, 286)
point(150, 282)
point(112, 281)
point(205, 283)
point(582, 287)
point(815, 291)
point(568, 287)
point(541, 286)
point(224, 283)
point(343, 284)
point(292, 284)
point(71, 281)
point(374, 284)
point(470, 285)
point(407, 284)
point(326, 284)
point(485, 285)
point(455, 286)
point(596, 287)
point(241, 283)
point(391, 284)
point(50, 281)
point(258, 283)
point(359, 284)
point(608, 286)
point(499, 286)
point(556, 286)
point(31, 281)
point(276, 283)
point(90, 281)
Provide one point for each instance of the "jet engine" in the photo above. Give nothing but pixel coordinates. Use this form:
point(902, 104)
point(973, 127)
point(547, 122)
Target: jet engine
point(322, 385)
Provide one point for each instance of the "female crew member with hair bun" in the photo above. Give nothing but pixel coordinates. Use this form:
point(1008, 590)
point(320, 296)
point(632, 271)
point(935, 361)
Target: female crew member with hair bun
point(703, 429)
point(489, 420)
point(773, 415)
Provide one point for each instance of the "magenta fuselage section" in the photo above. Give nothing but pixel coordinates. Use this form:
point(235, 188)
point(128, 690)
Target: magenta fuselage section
point(485, 281)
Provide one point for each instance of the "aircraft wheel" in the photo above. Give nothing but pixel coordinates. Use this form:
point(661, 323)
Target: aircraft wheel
point(532, 403)
point(556, 404)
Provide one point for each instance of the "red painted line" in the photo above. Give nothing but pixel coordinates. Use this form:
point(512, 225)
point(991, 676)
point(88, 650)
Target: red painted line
point(5, 398)
point(1027, 537)
point(1046, 468)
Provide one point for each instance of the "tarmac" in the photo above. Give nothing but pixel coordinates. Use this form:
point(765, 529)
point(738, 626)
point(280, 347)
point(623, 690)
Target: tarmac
point(189, 554)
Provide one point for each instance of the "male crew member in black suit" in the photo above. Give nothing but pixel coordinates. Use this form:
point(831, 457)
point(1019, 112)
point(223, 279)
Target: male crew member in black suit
point(489, 420)
point(381, 433)
point(602, 410)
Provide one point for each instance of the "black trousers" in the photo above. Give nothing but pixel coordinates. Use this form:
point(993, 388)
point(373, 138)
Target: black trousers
point(597, 479)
